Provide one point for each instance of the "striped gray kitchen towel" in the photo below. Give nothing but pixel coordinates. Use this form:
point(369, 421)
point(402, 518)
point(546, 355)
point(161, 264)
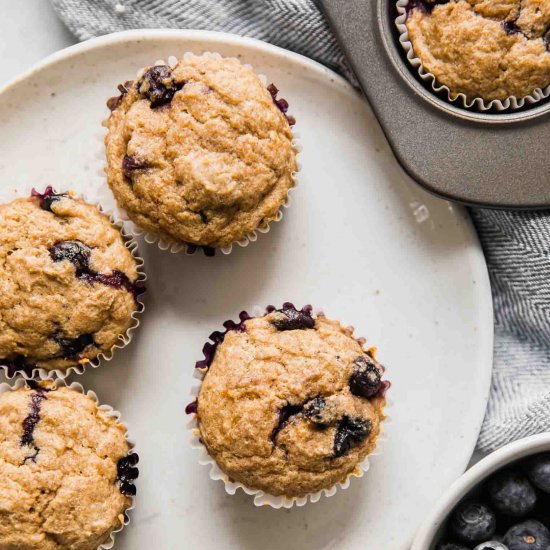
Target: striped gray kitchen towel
point(516, 244)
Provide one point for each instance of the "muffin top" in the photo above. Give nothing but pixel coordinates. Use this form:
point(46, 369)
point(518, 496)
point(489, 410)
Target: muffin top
point(67, 283)
point(200, 153)
point(290, 404)
point(63, 465)
point(491, 49)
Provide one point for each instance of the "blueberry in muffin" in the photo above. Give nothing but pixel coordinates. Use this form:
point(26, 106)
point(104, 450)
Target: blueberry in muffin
point(290, 402)
point(66, 470)
point(200, 153)
point(69, 283)
point(491, 49)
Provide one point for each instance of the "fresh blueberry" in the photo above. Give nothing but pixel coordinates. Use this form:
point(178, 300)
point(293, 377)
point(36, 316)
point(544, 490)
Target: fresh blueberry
point(366, 378)
point(542, 509)
point(158, 85)
point(126, 473)
point(529, 535)
point(511, 493)
point(491, 545)
point(472, 522)
point(75, 252)
point(451, 546)
point(294, 319)
point(538, 470)
point(350, 432)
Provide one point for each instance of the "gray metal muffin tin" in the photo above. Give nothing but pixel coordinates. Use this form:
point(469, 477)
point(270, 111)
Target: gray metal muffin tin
point(494, 160)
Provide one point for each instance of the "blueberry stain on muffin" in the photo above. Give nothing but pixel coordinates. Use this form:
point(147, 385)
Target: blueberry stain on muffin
point(127, 473)
point(78, 254)
point(350, 432)
point(75, 252)
point(158, 85)
point(290, 318)
point(70, 347)
point(31, 420)
point(217, 337)
point(313, 410)
point(48, 198)
point(131, 165)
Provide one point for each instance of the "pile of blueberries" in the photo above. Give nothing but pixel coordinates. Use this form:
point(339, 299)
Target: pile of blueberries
point(509, 511)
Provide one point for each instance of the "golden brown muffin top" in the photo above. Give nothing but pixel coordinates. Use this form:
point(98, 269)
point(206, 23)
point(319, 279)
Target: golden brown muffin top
point(199, 153)
point(67, 283)
point(493, 49)
point(59, 462)
point(291, 404)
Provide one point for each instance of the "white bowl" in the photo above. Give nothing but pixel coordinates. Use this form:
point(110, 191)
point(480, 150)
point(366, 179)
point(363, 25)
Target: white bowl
point(429, 533)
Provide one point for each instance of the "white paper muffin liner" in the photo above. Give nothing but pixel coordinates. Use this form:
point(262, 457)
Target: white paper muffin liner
point(510, 103)
point(124, 339)
point(262, 498)
point(175, 246)
point(112, 413)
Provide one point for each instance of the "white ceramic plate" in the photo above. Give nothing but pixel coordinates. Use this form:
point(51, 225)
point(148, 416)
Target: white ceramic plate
point(361, 241)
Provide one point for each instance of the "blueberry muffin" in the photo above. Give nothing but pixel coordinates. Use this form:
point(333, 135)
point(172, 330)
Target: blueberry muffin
point(492, 49)
point(66, 470)
point(200, 153)
point(68, 283)
point(290, 403)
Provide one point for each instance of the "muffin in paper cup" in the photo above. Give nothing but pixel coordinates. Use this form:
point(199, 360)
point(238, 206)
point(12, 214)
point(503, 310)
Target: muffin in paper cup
point(468, 63)
point(290, 406)
point(32, 434)
point(200, 153)
point(65, 319)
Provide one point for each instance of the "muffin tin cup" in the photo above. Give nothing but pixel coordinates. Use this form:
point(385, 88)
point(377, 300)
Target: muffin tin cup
point(124, 339)
point(112, 413)
point(174, 246)
point(509, 104)
point(262, 498)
